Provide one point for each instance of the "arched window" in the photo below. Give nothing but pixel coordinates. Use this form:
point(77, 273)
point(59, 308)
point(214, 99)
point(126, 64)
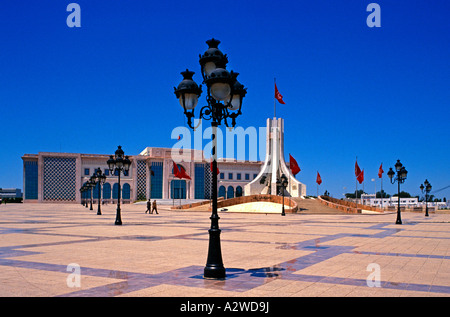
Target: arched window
point(126, 191)
point(230, 192)
point(95, 191)
point(107, 191)
point(222, 191)
point(238, 191)
point(115, 191)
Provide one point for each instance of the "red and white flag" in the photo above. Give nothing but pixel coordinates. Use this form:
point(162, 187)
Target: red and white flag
point(278, 96)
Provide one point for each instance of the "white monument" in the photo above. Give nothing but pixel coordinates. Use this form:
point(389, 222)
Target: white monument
point(274, 166)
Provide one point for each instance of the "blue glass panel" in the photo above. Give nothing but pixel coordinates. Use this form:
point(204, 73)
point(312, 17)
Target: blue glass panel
point(199, 181)
point(157, 180)
point(31, 180)
point(178, 189)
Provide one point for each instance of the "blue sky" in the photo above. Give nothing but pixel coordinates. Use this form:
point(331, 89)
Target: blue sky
point(379, 94)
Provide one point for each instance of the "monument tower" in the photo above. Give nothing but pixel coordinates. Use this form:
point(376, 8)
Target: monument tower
point(274, 166)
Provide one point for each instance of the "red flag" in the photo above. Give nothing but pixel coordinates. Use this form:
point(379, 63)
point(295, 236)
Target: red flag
point(179, 172)
point(278, 96)
point(183, 174)
point(293, 166)
point(380, 171)
point(360, 177)
point(357, 169)
point(212, 168)
point(318, 179)
point(176, 171)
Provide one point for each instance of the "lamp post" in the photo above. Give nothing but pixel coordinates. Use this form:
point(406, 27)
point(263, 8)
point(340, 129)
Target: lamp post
point(82, 195)
point(282, 182)
point(120, 164)
point(82, 192)
point(91, 183)
point(426, 189)
point(400, 178)
point(86, 191)
point(224, 101)
point(99, 178)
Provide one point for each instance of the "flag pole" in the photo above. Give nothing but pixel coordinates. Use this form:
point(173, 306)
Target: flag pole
point(274, 101)
point(381, 190)
point(356, 187)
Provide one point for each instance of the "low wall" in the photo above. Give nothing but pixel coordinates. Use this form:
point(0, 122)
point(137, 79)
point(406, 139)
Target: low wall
point(289, 203)
point(346, 206)
point(342, 207)
point(197, 204)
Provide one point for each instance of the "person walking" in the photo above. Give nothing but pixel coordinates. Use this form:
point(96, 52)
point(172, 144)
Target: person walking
point(148, 206)
point(154, 207)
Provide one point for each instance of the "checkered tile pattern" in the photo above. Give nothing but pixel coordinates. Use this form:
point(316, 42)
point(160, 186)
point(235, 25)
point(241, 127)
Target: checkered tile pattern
point(141, 191)
point(208, 181)
point(59, 179)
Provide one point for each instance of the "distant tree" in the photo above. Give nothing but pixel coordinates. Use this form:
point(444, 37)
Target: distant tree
point(326, 193)
point(382, 194)
point(403, 194)
point(352, 195)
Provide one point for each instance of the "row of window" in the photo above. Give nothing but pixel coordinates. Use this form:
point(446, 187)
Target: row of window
point(106, 191)
point(230, 192)
point(238, 176)
point(87, 172)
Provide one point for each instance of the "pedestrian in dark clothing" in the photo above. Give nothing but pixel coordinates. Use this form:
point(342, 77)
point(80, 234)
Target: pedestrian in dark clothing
point(154, 207)
point(148, 206)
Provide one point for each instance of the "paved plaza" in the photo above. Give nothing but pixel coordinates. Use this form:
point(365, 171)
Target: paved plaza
point(68, 250)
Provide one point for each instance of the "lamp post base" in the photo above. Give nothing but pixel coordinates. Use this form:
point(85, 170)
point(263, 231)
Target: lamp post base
point(118, 219)
point(214, 272)
point(214, 268)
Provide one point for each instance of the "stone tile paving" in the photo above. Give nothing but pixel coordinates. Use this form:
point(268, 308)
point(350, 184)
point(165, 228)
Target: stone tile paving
point(41, 245)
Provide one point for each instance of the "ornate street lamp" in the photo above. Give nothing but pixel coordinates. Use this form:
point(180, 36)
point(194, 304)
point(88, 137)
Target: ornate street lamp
point(400, 178)
point(99, 178)
point(120, 164)
point(426, 189)
point(223, 102)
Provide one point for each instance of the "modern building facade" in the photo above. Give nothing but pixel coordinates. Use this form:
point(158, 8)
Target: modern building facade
point(57, 177)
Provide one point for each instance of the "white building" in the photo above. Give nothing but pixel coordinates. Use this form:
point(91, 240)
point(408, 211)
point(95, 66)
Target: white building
point(371, 200)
